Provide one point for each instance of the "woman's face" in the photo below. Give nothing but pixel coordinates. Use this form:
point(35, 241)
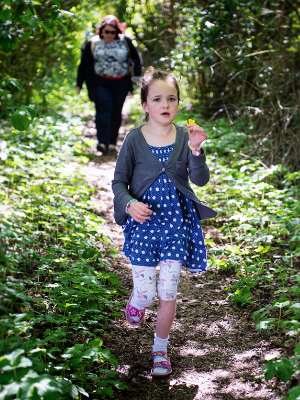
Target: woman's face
point(108, 33)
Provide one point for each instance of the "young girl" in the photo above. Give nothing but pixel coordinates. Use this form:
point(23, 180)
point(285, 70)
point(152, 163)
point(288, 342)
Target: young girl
point(157, 207)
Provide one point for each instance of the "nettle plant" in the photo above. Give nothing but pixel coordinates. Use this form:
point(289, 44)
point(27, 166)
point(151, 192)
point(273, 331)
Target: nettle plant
point(57, 294)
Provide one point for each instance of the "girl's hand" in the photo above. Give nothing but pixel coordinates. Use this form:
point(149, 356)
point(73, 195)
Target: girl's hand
point(140, 212)
point(197, 135)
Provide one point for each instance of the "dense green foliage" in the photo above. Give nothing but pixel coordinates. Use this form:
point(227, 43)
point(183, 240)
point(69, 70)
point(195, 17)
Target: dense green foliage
point(27, 32)
point(239, 58)
point(240, 61)
point(56, 296)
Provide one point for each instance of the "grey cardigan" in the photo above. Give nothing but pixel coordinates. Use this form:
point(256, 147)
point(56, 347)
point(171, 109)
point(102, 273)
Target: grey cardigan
point(137, 169)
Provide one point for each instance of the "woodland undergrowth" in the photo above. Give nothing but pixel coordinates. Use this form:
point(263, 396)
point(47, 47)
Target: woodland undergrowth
point(259, 225)
point(56, 296)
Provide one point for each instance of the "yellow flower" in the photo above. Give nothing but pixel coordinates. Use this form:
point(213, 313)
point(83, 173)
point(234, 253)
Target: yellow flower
point(190, 122)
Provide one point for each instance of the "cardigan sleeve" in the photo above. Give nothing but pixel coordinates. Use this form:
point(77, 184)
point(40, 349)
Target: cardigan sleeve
point(198, 169)
point(122, 178)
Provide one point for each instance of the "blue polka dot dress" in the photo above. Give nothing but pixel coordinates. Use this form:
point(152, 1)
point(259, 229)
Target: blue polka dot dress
point(172, 233)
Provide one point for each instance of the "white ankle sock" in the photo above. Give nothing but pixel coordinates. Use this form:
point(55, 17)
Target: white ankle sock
point(159, 345)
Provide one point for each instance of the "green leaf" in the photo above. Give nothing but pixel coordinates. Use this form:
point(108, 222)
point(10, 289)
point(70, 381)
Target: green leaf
point(107, 391)
point(47, 29)
point(19, 121)
point(284, 370)
point(269, 370)
point(9, 390)
point(120, 385)
point(296, 305)
point(82, 391)
point(294, 394)
point(112, 359)
point(88, 253)
point(74, 392)
point(26, 36)
point(109, 372)
point(77, 348)
point(63, 26)
point(74, 361)
point(297, 349)
point(13, 83)
point(29, 111)
point(66, 12)
point(44, 385)
point(31, 9)
point(57, 2)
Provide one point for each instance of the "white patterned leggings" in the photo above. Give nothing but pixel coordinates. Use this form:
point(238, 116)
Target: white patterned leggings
point(144, 282)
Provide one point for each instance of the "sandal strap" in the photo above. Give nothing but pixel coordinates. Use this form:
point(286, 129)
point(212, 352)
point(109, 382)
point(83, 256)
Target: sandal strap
point(159, 354)
point(165, 364)
point(134, 312)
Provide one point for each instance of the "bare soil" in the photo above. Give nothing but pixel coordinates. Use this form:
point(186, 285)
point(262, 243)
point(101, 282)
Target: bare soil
point(215, 350)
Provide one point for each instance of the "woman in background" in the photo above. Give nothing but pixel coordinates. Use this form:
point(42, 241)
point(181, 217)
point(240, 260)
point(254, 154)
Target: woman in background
point(104, 68)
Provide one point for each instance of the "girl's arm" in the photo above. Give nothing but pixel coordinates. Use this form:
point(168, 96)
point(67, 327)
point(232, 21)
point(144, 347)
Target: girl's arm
point(122, 176)
point(139, 211)
point(198, 169)
point(196, 137)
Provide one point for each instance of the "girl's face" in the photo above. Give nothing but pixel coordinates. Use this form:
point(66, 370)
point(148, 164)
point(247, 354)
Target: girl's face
point(108, 33)
point(162, 102)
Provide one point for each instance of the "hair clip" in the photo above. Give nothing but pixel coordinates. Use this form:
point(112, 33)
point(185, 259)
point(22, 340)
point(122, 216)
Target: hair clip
point(136, 80)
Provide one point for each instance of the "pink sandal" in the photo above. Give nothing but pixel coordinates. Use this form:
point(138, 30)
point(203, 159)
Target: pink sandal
point(163, 364)
point(133, 312)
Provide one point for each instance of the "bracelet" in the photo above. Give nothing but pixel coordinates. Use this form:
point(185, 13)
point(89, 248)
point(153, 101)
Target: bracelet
point(128, 204)
point(196, 149)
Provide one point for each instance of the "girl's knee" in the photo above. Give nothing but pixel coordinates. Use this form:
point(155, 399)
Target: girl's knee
point(168, 279)
point(144, 298)
point(165, 295)
point(147, 303)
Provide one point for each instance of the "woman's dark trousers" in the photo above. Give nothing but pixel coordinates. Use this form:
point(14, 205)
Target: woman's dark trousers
point(111, 94)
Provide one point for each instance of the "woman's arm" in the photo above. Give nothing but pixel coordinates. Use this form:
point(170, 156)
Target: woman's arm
point(136, 57)
point(86, 66)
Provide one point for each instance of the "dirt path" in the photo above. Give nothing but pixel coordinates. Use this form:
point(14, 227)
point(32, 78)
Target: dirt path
point(215, 350)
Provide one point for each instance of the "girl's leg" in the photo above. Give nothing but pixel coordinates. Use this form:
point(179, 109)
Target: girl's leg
point(167, 293)
point(144, 287)
point(165, 317)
